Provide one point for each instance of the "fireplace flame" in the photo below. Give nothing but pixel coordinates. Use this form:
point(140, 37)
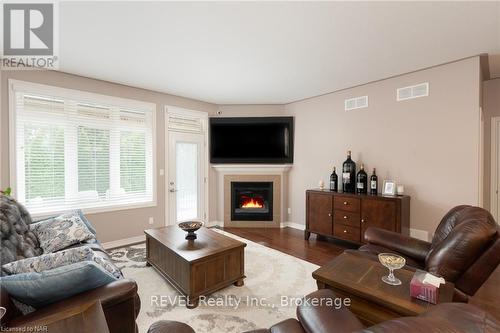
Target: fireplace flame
point(252, 203)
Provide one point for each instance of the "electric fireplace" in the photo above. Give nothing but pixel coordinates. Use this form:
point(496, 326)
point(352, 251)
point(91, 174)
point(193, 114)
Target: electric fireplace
point(251, 201)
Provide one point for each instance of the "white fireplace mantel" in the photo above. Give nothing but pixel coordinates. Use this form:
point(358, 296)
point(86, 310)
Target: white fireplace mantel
point(252, 168)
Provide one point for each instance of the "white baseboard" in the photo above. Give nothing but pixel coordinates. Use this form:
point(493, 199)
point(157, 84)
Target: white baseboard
point(214, 223)
point(123, 242)
point(420, 234)
point(283, 225)
point(293, 225)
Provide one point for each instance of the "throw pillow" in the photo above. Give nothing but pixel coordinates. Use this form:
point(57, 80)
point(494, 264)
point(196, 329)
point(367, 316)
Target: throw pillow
point(108, 265)
point(60, 232)
point(51, 277)
point(73, 212)
point(41, 289)
point(50, 261)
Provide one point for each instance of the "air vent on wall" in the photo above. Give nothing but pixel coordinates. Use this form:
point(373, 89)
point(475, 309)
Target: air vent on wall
point(356, 103)
point(418, 90)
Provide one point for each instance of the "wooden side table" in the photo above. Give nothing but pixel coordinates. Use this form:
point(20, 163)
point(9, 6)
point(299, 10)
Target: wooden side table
point(372, 300)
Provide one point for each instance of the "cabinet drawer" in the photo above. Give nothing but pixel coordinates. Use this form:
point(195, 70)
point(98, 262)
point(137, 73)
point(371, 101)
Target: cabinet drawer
point(347, 203)
point(346, 232)
point(347, 218)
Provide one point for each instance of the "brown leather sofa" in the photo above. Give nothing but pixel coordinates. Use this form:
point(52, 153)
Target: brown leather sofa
point(465, 248)
point(446, 317)
point(119, 299)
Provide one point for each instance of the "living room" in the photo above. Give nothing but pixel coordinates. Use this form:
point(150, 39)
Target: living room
point(215, 166)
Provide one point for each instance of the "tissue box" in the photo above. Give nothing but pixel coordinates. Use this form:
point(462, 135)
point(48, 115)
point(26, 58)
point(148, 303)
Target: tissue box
point(423, 291)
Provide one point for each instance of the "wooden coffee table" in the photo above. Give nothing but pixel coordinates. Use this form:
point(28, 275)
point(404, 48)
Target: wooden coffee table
point(200, 267)
point(373, 301)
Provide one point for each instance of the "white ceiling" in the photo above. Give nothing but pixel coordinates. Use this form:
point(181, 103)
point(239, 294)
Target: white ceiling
point(267, 53)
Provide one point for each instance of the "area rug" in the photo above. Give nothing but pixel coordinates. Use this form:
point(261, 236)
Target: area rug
point(275, 283)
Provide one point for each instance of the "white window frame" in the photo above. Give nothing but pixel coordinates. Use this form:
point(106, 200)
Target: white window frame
point(81, 96)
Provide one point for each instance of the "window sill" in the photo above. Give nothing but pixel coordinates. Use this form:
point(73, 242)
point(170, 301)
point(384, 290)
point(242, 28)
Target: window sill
point(95, 210)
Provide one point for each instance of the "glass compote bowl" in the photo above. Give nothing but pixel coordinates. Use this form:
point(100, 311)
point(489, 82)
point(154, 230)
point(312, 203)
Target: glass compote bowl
point(391, 261)
point(190, 227)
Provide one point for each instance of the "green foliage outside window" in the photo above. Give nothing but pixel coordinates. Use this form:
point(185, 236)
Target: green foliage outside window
point(93, 160)
point(132, 161)
point(44, 161)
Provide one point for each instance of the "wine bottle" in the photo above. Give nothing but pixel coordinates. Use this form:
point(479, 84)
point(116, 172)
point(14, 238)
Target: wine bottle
point(334, 180)
point(374, 183)
point(361, 181)
point(349, 174)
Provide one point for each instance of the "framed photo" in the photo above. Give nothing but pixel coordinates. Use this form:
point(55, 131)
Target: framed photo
point(389, 187)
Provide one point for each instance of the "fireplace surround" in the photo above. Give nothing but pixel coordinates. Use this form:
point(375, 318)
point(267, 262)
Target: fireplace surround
point(274, 174)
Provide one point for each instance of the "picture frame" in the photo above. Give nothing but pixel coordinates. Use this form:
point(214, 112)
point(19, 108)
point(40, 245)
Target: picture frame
point(389, 187)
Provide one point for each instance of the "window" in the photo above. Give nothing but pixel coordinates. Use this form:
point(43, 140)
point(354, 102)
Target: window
point(80, 150)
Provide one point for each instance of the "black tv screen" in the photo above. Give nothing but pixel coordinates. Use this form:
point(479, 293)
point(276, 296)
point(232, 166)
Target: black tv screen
point(251, 140)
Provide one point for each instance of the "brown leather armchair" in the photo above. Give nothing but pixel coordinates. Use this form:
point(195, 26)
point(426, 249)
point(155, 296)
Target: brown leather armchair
point(446, 317)
point(322, 318)
point(465, 248)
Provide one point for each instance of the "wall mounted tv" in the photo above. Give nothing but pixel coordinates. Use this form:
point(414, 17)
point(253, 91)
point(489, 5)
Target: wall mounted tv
point(251, 140)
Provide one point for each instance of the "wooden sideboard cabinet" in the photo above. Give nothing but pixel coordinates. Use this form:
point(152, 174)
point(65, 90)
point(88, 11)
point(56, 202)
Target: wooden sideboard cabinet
point(346, 216)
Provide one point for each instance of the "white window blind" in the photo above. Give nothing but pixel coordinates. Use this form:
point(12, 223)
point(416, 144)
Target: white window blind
point(79, 153)
point(183, 123)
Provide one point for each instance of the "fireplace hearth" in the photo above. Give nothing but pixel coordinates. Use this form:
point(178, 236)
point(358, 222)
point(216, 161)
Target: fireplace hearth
point(251, 201)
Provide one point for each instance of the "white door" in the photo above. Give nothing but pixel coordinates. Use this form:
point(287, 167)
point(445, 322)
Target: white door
point(186, 177)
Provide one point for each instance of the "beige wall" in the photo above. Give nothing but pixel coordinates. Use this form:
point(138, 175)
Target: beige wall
point(491, 108)
point(431, 145)
point(118, 224)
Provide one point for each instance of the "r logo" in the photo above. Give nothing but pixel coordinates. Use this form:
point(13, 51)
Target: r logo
point(28, 29)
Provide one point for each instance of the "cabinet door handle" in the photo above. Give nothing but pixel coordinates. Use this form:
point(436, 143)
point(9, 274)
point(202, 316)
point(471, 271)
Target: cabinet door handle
point(346, 203)
point(362, 220)
point(345, 217)
point(345, 231)
point(330, 214)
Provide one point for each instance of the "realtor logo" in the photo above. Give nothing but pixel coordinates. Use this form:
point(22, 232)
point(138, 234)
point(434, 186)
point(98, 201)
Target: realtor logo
point(28, 36)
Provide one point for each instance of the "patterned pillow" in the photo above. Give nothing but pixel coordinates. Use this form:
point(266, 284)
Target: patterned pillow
point(108, 265)
point(68, 214)
point(60, 232)
point(50, 261)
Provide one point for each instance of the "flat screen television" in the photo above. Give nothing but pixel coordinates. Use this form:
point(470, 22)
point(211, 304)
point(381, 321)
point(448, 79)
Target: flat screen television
point(251, 140)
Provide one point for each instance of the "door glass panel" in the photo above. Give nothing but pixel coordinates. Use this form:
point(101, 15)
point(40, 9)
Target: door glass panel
point(187, 180)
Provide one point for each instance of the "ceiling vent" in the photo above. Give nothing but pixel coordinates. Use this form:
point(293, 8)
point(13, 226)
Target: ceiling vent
point(356, 103)
point(410, 92)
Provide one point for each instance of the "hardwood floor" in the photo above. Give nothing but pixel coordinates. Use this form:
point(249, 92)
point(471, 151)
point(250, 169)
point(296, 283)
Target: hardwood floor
point(320, 251)
point(291, 241)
